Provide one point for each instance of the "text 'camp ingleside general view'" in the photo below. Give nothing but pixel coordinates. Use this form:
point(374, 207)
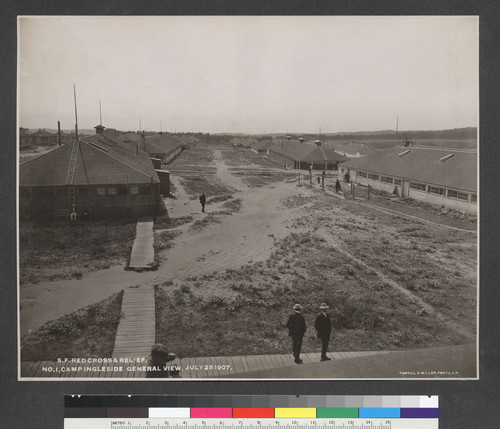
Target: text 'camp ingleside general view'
point(236, 197)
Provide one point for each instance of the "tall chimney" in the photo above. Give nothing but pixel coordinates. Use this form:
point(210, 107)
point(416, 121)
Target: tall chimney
point(59, 132)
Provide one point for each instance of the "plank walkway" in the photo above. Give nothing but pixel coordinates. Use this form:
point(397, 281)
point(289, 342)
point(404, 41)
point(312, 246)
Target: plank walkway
point(143, 254)
point(136, 331)
point(129, 365)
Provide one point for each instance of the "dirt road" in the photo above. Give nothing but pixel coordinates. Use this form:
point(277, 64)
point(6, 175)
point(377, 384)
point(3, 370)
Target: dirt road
point(432, 270)
point(243, 237)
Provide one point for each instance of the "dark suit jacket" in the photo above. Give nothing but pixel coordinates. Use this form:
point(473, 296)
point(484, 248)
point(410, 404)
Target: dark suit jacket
point(296, 325)
point(323, 325)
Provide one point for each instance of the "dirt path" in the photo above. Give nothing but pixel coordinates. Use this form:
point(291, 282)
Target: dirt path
point(411, 296)
point(399, 213)
point(247, 236)
point(238, 239)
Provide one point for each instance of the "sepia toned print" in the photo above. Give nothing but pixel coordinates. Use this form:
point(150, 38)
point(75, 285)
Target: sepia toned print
point(247, 197)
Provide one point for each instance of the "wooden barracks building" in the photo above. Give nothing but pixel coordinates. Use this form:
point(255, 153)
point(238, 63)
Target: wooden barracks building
point(446, 177)
point(98, 175)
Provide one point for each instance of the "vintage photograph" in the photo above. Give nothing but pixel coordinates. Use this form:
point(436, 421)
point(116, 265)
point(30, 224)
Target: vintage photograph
point(248, 197)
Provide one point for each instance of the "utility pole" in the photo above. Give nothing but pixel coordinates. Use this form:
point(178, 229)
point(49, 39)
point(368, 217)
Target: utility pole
point(76, 113)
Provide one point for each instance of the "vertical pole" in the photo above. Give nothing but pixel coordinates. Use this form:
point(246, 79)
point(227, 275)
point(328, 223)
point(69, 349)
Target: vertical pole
point(76, 113)
point(323, 180)
point(59, 132)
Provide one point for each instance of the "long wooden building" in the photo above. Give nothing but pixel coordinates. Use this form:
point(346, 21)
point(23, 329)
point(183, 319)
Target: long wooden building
point(97, 175)
point(445, 177)
point(304, 155)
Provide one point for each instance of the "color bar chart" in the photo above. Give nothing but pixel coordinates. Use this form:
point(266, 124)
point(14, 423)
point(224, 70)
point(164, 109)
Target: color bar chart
point(250, 412)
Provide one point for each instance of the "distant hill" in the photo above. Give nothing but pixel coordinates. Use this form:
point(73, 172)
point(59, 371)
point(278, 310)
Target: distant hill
point(469, 133)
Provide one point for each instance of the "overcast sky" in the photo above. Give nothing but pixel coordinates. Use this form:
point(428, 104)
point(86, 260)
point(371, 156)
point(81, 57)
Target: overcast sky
point(249, 74)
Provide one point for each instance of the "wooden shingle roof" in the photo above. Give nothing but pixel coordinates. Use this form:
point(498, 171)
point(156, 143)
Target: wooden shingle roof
point(322, 155)
point(261, 144)
point(292, 149)
point(99, 162)
point(426, 165)
point(162, 143)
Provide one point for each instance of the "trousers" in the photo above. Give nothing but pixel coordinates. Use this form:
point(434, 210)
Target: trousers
point(296, 346)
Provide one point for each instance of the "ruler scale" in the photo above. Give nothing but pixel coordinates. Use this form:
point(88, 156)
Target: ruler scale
point(250, 412)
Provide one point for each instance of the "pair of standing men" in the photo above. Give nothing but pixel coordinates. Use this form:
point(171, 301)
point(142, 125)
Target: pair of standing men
point(297, 327)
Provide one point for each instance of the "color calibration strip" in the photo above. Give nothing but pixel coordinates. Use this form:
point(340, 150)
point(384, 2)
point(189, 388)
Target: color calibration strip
point(146, 406)
point(255, 413)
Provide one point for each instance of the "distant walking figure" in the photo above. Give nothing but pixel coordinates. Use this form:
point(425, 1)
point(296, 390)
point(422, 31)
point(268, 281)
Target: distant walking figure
point(337, 186)
point(296, 329)
point(323, 327)
point(203, 201)
point(319, 180)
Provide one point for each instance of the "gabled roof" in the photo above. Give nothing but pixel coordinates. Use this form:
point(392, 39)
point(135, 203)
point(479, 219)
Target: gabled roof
point(243, 141)
point(99, 162)
point(261, 145)
point(292, 149)
point(322, 155)
point(129, 137)
point(112, 133)
point(430, 166)
point(42, 133)
point(162, 143)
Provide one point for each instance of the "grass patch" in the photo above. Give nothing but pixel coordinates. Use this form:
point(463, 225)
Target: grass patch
point(165, 240)
point(63, 251)
point(89, 332)
point(214, 308)
point(197, 173)
point(207, 220)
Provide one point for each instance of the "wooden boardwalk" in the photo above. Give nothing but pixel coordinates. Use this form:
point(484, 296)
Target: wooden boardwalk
point(136, 331)
point(142, 256)
point(129, 365)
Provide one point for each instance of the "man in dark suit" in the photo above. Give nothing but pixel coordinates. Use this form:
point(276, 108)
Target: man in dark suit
point(323, 327)
point(203, 201)
point(296, 329)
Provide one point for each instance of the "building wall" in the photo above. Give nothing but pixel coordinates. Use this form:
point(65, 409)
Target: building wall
point(171, 155)
point(96, 201)
point(319, 165)
point(164, 182)
point(24, 141)
point(403, 189)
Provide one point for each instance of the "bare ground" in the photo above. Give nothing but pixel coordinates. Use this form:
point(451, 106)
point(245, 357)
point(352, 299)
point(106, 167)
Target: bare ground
point(228, 278)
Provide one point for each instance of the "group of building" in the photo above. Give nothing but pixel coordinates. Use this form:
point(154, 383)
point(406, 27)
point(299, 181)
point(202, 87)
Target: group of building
point(95, 176)
point(446, 177)
point(112, 173)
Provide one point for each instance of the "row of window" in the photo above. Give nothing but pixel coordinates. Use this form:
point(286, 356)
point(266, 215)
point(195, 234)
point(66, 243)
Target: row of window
point(102, 191)
point(421, 187)
point(385, 179)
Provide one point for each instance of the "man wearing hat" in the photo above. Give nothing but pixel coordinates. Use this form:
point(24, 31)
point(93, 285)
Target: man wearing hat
point(323, 327)
point(296, 329)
